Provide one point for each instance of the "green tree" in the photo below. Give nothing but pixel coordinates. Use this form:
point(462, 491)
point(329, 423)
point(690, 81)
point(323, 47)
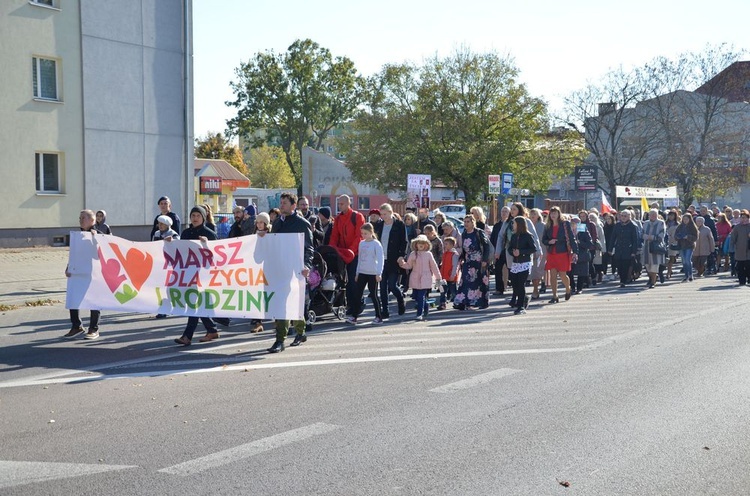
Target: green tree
point(458, 118)
point(215, 145)
point(294, 99)
point(268, 168)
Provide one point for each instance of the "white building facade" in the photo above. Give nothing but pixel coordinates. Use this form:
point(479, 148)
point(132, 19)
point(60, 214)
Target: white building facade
point(95, 112)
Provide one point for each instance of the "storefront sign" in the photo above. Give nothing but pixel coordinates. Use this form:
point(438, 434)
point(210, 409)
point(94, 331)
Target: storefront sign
point(210, 185)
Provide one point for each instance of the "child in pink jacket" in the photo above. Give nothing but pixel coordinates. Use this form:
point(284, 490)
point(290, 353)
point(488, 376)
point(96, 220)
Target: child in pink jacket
point(423, 267)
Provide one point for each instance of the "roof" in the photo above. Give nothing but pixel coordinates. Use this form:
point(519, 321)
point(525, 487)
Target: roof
point(223, 169)
point(733, 83)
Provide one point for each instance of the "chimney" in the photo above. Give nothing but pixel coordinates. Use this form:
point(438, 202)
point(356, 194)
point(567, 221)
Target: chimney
point(607, 108)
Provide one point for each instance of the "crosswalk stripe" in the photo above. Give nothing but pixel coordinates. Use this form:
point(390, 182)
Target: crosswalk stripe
point(477, 380)
point(14, 473)
point(247, 450)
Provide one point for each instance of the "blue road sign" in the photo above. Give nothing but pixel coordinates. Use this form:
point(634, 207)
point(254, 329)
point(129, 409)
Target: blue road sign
point(507, 182)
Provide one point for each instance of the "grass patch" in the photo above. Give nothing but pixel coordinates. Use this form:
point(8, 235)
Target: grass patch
point(6, 308)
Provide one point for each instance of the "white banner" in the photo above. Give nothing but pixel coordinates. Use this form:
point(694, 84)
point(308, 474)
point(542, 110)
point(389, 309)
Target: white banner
point(639, 192)
point(246, 277)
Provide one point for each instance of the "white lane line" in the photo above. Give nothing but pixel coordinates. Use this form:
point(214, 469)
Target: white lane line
point(247, 450)
point(477, 380)
point(305, 363)
point(14, 473)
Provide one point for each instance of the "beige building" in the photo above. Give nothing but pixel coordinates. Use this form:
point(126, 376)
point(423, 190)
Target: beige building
point(95, 112)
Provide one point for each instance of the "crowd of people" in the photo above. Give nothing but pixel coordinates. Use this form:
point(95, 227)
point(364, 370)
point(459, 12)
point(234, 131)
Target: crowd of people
point(416, 255)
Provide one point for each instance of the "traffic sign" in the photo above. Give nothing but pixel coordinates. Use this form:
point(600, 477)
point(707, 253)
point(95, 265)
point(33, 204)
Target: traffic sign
point(494, 181)
point(507, 182)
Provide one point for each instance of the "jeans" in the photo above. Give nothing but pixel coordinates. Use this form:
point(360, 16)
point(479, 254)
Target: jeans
point(389, 283)
point(421, 296)
point(192, 323)
point(686, 254)
point(75, 319)
point(449, 292)
point(372, 285)
point(499, 264)
point(743, 271)
point(351, 286)
point(518, 283)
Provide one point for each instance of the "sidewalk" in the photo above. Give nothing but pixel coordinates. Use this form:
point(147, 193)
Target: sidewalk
point(32, 274)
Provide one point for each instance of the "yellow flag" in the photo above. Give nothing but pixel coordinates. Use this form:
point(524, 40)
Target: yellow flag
point(644, 205)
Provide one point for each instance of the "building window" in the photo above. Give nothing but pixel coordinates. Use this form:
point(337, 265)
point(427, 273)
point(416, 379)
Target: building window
point(364, 203)
point(44, 78)
point(44, 3)
point(47, 173)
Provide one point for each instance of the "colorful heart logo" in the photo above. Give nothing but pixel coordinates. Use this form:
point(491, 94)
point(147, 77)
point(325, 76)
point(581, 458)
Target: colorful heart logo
point(111, 272)
point(126, 295)
point(137, 265)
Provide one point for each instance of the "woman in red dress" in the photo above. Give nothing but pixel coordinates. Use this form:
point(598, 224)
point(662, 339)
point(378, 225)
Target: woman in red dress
point(561, 245)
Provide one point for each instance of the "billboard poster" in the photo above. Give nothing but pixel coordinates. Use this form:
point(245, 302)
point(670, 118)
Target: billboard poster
point(418, 191)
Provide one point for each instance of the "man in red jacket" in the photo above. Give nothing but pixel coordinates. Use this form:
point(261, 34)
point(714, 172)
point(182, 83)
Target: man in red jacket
point(345, 237)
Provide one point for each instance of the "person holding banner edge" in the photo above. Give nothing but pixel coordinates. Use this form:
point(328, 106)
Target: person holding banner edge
point(290, 221)
point(198, 231)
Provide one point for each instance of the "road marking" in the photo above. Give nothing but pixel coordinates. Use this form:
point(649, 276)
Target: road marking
point(247, 450)
point(18, 473)
point(62, 377)
point(477, 380)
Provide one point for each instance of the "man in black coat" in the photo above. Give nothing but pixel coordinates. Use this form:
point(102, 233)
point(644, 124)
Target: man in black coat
point(624, 246)
point(290, 221)
point(392, 234)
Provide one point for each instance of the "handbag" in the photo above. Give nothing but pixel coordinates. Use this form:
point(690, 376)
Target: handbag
point(657, 246)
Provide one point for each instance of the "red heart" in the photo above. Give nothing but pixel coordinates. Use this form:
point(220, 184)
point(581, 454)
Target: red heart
point(111, 272)
point(137, 265)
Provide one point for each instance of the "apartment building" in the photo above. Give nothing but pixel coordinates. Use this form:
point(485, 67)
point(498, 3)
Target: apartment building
point(95, 112)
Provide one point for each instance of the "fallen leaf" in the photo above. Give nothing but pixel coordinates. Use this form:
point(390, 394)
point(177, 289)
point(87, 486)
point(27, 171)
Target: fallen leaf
point(176, 406)
point(563, 483)
point(706, 448)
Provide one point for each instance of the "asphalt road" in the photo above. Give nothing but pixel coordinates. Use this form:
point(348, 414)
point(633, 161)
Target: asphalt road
point(615, 392)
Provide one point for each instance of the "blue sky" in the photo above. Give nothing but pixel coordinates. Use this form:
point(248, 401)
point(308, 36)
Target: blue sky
point(558, 46)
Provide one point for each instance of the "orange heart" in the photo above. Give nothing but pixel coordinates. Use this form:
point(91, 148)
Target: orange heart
point(136, 263)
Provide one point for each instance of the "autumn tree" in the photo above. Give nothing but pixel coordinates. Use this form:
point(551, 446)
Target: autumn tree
point(458, 118)
point(268, 168)
point(294, 98)
point(215, 145)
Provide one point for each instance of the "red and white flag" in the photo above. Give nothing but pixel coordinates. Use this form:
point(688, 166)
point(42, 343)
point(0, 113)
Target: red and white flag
point(606, 206)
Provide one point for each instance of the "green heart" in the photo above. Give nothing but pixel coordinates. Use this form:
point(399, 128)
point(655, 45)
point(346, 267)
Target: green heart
point(126, 295)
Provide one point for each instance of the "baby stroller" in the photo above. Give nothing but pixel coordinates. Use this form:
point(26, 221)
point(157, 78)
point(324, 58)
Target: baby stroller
point(327, 284)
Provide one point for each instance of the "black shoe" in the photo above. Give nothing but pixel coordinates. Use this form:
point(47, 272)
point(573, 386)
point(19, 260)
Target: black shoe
point(161, 316)
point(512, 302)
point(401, 308)
point(567, 296)
point(543, 289)
point(519, 311)
point(299, 339)
point(622, 285)
point(555, 300)
point(483, 306)
point(385, 315)
point(661, 278)
point(459, 307)
point(277, 347)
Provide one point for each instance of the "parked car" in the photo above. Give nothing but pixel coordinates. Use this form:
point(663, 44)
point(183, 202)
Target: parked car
point(454, 210)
